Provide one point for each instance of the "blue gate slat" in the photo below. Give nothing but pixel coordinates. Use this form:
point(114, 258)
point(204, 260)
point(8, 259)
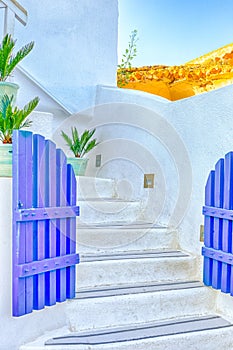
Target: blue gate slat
point(217, 233)
point(71, 232)
point(22, 234)
point(61, 223)
point(44, 255)
point(208, 228)
point(26, 198)
point(39, 226)
point(50, 201)
point(19, 291)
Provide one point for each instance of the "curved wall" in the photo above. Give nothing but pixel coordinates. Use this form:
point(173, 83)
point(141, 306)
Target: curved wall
point(179, 142)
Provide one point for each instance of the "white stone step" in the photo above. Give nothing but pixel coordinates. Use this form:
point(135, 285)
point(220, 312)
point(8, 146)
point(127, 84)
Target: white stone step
point(106, 210)
point(134, 267)
point(128, 237)
point(196, 332)
point(94, 187)
point(124, 305)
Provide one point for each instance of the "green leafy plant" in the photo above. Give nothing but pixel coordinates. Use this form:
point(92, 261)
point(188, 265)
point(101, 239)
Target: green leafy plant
point(123, 74)
point(14, 118)
point(80, 144)
point(8, 61)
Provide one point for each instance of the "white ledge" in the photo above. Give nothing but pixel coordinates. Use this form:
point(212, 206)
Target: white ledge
point(19, 11)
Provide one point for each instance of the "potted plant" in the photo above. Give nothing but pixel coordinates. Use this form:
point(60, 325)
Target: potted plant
point(8, 62)
point(11, 118)
point(80, 145)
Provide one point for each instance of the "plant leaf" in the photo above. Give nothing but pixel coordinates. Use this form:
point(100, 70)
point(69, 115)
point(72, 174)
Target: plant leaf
point(22, 53)
point(90, 146)
point(7, 60)
point(14, 118)
point(80, 145)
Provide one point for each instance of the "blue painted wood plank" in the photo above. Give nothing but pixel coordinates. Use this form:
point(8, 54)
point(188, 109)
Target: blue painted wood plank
point(231, 273)
point(50, 264)
point(35, 214)
point(18, 293)
point(217, 233)
point(61, 191)
point(208, 229)
point(50, 201)
point(39, 226)
point(28, 181)
point(22, 232)
point(221, 213)
point(71, 232)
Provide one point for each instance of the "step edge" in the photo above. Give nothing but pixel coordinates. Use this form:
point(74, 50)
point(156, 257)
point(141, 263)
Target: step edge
point(40, 341)
point(132, 291)
point(145, 337)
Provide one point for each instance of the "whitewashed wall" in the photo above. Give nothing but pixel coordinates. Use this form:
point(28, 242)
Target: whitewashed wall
point(75, 47)
point(179, 142)
point(205, 123)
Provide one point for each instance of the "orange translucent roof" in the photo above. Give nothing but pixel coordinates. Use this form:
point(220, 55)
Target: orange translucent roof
point(202, 74)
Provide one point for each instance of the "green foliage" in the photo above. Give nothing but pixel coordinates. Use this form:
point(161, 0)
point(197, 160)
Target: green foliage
point(14, 118)
point(80, 144)
point(126, 61)
point(8, 61)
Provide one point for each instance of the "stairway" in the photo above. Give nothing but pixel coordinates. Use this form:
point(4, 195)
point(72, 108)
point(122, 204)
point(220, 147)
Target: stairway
point(136, 289)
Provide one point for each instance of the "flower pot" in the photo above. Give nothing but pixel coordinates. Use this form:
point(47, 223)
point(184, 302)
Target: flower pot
point(5, 160)
point(79, 165)
point(9, 89)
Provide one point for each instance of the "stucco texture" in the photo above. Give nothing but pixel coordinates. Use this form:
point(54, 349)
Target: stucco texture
point(185, 138)
point(75, 47)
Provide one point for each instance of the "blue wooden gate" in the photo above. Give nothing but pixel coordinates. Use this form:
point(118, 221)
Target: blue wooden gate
point(44, 224)
point(218, 228)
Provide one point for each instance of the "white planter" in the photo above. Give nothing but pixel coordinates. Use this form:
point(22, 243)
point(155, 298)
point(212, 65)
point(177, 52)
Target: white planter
point(79, 165)
point(9, 89)
point(5, 160)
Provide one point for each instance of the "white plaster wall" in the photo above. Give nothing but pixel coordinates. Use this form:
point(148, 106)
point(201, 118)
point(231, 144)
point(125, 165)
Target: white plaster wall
point(206, 125)
point(75, 47)
point(29, 88)
point(137, 140)
point(178, 141)
point(16, 331)
point(42, 123)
